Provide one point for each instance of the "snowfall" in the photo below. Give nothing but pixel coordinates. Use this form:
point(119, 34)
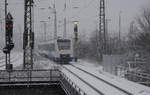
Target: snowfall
point(94, 68)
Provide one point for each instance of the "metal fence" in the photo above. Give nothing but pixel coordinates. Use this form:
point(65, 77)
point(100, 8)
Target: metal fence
point(30, 75)
point(40, 76)
point(71, 87)
point(142, 78)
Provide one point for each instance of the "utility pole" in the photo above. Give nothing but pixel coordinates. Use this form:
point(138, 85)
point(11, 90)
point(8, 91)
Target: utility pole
point(1, 21)
point(119, 38)
point(20, 34)
point(28, 35)
point(65, 30)
point(106, 34)
point(45, 30)
point(102, 34)
point(55, 21)
point(107, 38)
point(65, 22)
point(5, 31)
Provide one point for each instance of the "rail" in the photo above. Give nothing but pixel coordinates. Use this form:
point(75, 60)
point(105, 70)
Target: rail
point(100, 93)
point(128, 93)
point(78, 89)
point(51, 75)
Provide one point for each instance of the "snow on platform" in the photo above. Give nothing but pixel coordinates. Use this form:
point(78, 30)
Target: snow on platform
point(83, 86)
point(122, 83)
point(94, 82)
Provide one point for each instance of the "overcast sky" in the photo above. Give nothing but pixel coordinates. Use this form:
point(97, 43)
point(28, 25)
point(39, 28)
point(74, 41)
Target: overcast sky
point(86, 13)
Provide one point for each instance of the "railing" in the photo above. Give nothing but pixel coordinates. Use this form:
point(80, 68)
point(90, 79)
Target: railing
point(76, 90)
point(138, 77)
point(30, 75)
point(133, 75)
point(40, 76)
point(139, 74)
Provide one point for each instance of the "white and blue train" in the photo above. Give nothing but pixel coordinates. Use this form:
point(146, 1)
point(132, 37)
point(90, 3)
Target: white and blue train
point(58, 50)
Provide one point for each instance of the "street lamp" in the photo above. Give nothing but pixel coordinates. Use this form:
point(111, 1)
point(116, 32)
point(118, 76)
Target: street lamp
point(107, 37)
point(76, 22)
point(76, 39)
point(55, 20)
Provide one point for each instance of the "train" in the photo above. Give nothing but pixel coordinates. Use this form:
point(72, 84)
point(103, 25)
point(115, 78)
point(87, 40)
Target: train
point(59, 50)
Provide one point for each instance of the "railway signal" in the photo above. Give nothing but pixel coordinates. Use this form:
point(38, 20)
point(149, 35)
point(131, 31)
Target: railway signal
point(76, 30)
point(9, 40)
point(9, 34)
point(9, 30)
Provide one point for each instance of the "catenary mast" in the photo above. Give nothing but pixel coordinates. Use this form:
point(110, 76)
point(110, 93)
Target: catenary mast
point(28, 40)
point(102, 33)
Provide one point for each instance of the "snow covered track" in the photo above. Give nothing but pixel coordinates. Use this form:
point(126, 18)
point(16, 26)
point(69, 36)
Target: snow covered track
point(92, 84)
point(100, 79)
point(96, 83)
point(95, 89)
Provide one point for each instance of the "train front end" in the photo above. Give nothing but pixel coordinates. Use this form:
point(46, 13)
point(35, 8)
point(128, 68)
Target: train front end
point(65, 50)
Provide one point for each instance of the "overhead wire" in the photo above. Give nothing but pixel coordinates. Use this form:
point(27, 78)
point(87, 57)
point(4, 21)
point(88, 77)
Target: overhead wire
point(59, 14)
point(79, 12)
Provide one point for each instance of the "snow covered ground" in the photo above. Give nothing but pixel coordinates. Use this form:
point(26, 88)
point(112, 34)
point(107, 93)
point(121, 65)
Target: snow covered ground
point(129, 86)
point(41, 62)
point(90, 64)
point(16, 59)
point(95, 69)
point(100, 86)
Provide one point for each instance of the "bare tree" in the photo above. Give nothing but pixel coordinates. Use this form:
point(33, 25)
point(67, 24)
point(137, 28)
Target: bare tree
point(139, 37)
point(144, 21)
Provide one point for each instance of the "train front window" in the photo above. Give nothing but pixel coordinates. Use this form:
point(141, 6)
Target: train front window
point(63, 44)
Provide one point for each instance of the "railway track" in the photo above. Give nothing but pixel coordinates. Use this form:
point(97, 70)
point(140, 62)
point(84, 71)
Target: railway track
point(96, 78)
point(114, 86)
point(100, 93)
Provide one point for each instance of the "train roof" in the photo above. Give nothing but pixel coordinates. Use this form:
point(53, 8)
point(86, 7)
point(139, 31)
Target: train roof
point(53, 40)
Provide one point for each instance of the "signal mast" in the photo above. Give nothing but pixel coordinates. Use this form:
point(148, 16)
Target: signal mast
point(9, 45)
